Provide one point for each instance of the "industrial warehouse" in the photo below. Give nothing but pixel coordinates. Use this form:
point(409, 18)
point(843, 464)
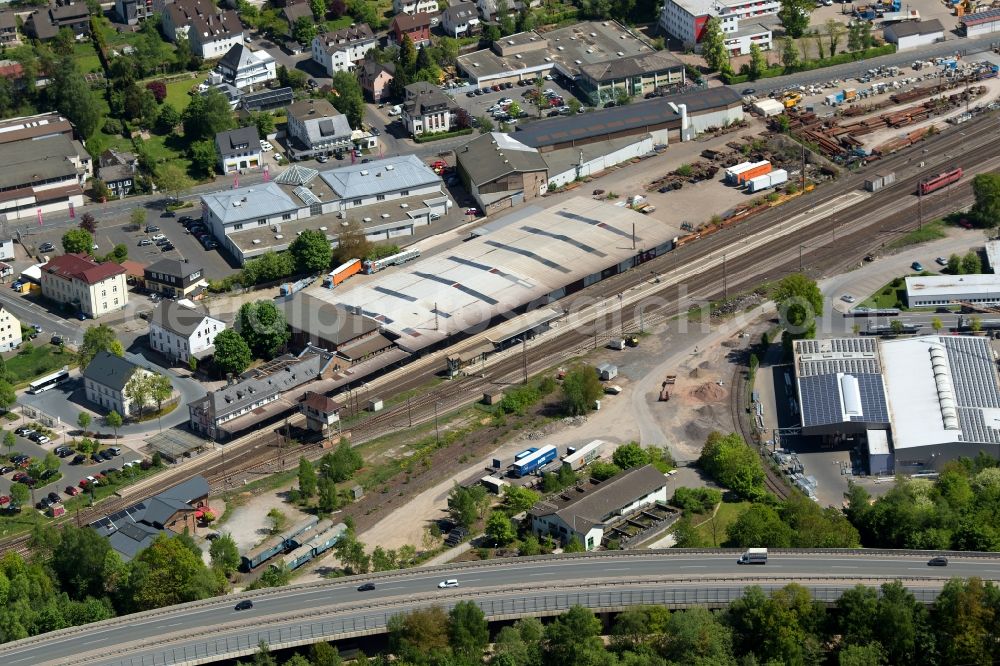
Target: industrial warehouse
point(913, 404)
point(521, 262)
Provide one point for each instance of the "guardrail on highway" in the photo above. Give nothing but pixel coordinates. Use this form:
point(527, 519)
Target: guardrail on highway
point(495, 609)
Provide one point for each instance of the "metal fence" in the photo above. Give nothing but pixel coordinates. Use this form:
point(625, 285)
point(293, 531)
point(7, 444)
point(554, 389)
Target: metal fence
point(541, 604)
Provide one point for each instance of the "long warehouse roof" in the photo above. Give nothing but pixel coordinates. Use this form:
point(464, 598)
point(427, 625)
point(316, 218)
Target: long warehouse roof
point(523, 257)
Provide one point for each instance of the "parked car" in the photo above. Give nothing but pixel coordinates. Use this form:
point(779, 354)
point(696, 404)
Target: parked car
point(17, 285)
point(17, 477)
point(159, 237)
point(28, 481)
point(56, 340)
point(168, 213)
point(166, 247)
point(143, 242)
point(54, 496)
point(106, 455)
point(23, 431)
point(4, 499)
point(151, 228)
point(78, 459)
point(39, 438)
point(72, 491)
point(114, 450)
point(6, 469)
point(46, 247)
point(941, 261)
point(917, 266)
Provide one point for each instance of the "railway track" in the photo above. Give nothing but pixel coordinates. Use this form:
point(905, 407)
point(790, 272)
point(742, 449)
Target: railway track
point(968, 149)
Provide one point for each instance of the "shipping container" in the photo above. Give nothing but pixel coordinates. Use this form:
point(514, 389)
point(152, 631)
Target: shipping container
point(757, 169)
point(342, 272)
point(607, 371)
point(584, 456)
point(733, 172)
point(880, 180)
point(766, 181)
point(534, 462)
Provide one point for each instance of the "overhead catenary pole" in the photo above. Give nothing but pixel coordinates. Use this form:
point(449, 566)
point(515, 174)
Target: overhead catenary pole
point(524, 358)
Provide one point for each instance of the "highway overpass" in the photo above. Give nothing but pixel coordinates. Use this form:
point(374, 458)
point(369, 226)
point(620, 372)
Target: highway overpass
point(206, 631)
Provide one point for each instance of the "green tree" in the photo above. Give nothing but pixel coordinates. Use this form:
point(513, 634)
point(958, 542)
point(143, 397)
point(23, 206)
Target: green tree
point(500, 529)
point(172, 180)
point(225, 555)
point(406, 59)
point(328, 500)
point(97, 339)
point(856, 610)
point(348, 98)
point(278, 520)
point(581, 387)
point(203, 157)
point(352, 243)
point(574, 546)
point(855, 40)
point(781, 629)
point(262, 325)
point(160, 389)
point(77, 241)
point(207, 115)
point(574, 639)
point(896, 326)
point(138, 390)
point(311, 251)
point(384, 559)
point(789, 53)
point(342, 463)
point(697, 636)
point(318, 8)
point(351, 553)
point(602, 471)
point(304, 30)
point(324, 654)
point(73, 98)
point(834, 30)
point(79, 561)
point(9, 440)
point(975, 324)
point(307, 478)
point(232, 354)
point(466, 505)
point(19, 494)
point(758, 62)
point(485, 124)
point(630, 455)
point(114, 421)
point(794, 17)
point(167, 118)
point(529, 546)
point(870, 654)
point(517, 499)
point(733, 464)
point(7, 395)
point(713, 46)
point(420, 636)
point(168, 573)
point(955, 264)
point(468, 632)
point(986, 191)
point(937, 324)
point(971, 264)
point(758, 526)
point(263, 121)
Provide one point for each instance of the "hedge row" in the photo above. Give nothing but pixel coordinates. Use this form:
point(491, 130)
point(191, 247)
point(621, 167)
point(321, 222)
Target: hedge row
point(809, 65)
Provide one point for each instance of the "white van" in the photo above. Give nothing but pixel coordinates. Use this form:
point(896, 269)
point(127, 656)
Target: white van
point(395, 111)
point(451, 582)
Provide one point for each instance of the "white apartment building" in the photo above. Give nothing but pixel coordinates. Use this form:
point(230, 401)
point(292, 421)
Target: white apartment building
point(180, 332)
point(211, 32)
point(342, 50)
point(460, 19)
point(78, 281)
point(685, 20)
point(244, 68)
point(426, 109)
point(105, 381)
point(10, 330)
point(414, 6)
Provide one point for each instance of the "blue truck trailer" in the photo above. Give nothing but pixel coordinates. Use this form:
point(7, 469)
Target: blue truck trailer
point(532, 463)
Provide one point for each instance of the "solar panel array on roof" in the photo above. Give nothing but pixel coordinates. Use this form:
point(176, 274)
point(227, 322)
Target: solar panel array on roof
point(810, 368)
point(822, 402)
point(268, 99)
point(111, 522)
point(973, 374)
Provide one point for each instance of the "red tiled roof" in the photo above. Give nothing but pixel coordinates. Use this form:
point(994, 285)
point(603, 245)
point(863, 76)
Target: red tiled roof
point(83, 268)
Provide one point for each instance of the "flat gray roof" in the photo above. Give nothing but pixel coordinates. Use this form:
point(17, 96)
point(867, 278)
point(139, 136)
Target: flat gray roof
point(36, 160)
point(386, 175)
point(247, 203)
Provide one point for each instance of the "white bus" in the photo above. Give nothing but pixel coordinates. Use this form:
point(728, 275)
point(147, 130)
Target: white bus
point(47, 382)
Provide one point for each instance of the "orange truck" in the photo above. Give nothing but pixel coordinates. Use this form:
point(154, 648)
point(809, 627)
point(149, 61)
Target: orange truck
point(341, 273)
point(756, 169)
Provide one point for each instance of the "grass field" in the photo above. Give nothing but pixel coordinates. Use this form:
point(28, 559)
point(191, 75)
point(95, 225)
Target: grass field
point(86, 57)
point(928, 232)
point(177, 93)
point(36, 360)
point(713, 531)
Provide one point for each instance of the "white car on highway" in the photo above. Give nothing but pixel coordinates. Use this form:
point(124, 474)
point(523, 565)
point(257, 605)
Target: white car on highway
point(451, 582)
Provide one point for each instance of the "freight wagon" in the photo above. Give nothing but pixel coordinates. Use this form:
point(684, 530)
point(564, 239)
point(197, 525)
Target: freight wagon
point(273, 546)
point(341, 273)
point(375, 265)
point(939, 181)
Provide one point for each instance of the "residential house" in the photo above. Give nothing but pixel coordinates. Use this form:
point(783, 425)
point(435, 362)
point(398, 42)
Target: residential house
point(588, 510)
point(175, 510)
point(180, 333)
point(133, 12)
point(117, 170)
point(259, 395)
point(7, 249)
point(10, 330)
point(426, 109)
point(245, 68)
point(238, 149)
point(461, 20)
point(210, 31)
point(316, 128)
point(8, 28)
point(416, 26)
point(488, 8)
point(173, 278)
point(375, 78)
point(342, 50)
point(79, 282)
point(44, 24)
point(105, 379)
point(414, 6)
point(293, 11)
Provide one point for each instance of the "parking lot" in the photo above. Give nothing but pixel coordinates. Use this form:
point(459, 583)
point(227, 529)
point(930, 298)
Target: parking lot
point(478, 104)
point(72, 474)
point(929, 9)
point(216, 265)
